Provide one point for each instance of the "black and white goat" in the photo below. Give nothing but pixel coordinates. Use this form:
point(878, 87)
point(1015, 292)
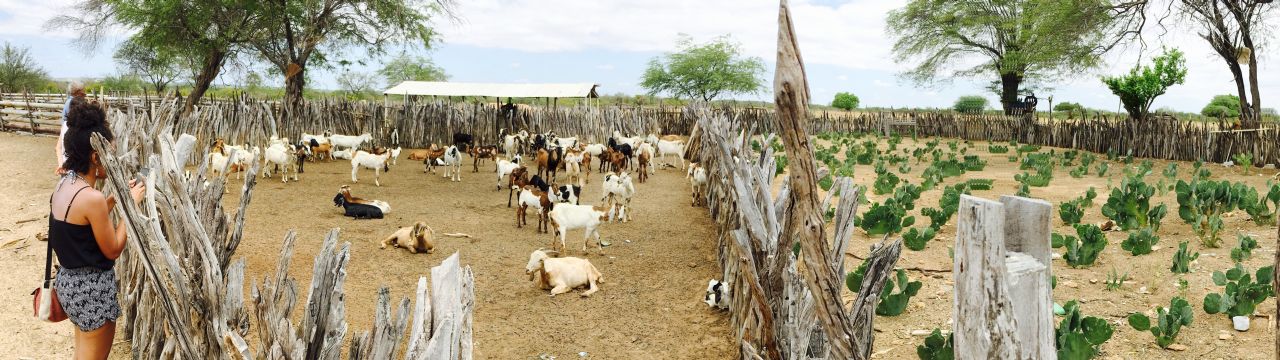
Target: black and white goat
point(360, 208)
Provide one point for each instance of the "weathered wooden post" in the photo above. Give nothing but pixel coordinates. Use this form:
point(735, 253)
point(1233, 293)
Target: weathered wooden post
point(1002, 253)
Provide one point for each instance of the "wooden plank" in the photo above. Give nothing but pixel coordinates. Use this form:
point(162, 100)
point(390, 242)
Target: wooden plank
point(982, 314)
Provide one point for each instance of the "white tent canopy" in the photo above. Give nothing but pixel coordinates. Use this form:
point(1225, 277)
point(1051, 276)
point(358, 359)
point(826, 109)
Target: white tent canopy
point(441, 88)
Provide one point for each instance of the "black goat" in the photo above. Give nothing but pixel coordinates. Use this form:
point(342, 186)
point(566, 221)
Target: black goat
point(463, 141)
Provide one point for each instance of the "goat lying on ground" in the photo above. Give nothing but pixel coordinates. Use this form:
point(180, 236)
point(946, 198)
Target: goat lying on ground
point(416, 239)
point(561, 275)
point(344, 154)
point(350, 142)
point(565, 217)
point(452, 161)
point(360, 208)
point(479, 153)
point(717, 295)
point(618, 190)
point(698, 182)
point(531, 197)
point(378, 163)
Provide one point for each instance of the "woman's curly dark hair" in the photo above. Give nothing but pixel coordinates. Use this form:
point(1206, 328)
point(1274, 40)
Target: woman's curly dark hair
point(83, 120)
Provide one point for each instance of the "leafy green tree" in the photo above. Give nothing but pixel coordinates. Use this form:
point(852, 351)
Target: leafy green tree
point(1222, 106)
point(407, 68)
point(704, 71)
point(123, 82)
point(845, 101)
point(158, 67)
point(970, 104)
point(1140, 87)
point(19, 71)
point(295, 34)
point(1072, 109)
point(1009, 41)
point(206, 33)
point(357, 82)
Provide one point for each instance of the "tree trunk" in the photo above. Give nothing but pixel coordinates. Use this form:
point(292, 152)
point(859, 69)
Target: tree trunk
point(1255, 113)
point(208, 72)
point(1009, 84)
point(293, 86)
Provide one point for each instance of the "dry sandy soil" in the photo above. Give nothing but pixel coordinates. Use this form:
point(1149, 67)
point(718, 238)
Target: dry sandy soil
point(649, 307)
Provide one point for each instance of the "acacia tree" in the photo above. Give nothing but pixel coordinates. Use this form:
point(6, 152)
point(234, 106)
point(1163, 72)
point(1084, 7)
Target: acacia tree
point(411, 68)
point(704, 71)
point(1140, 87)
point(206, 32)
point(1012, 42)
point(158, 67)
point(18, 70)
point(294, 34)
point(1231, 27)
point(357, 82)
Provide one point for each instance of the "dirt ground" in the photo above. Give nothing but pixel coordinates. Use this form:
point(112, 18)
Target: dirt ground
point(648, 307)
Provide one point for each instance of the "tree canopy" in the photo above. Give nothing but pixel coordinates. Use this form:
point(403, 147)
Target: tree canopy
point(970, 104)
point(19, 71)
point(1231, 27)
point(845, 101)
point(357, 82)
point(158, 67)
point(411, 68)
point(1222, 106)
point(704, 71)
point(1010, 42)
point(1140, 87)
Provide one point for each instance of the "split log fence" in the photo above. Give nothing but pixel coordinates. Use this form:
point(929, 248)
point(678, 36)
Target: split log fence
point(182, 294)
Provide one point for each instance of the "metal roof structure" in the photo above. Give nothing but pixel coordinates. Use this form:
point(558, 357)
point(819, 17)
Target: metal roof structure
point(441, 88)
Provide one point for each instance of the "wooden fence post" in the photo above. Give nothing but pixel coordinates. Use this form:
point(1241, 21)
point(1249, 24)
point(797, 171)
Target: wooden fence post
point(1002, 253)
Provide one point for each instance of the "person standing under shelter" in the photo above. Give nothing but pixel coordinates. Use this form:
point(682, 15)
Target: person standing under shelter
point(75, 90)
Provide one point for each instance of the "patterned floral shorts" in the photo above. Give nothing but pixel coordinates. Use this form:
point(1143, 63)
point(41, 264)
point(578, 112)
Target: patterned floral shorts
point(88, 296)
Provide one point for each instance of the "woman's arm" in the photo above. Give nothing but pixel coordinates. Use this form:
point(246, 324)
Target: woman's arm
point(110, 240)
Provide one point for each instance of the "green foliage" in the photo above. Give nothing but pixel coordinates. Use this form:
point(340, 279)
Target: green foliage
point(1182, 259)
point(936, 347)
point(1222, 106)
point(1081, 251)
point(412, 68)
point(1102, 169)
point(1168, 322)
point(1079, 336)
point(1130, 205)
point(1070, 212)
point(779, 164)
point(1201, 203)
point(894, 304)
point(158, 66)
point(1244, 160)
point(885, 181)
point(916, 239)
point(1241, 294)
point(1115, 280)
point(19, 70)
point(948, 204)
point(1140, 87)
point(1245, 245)
point(704, 71)
point(1260, 209)
point(997, 149)
point(1072, 109)
point(888, 217)
point(971, 104)
point(845, 101)
point(1140, 241)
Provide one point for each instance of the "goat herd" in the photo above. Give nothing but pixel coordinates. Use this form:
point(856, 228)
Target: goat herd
point(557, 204)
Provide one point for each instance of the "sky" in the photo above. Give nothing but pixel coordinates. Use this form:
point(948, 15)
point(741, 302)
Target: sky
point(844, 44)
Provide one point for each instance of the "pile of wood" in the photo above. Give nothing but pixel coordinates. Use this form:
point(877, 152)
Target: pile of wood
point(182, 293)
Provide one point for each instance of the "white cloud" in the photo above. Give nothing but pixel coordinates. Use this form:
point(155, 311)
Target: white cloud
point(848, 35)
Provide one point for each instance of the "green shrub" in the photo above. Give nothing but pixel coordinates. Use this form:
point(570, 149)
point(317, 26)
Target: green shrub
point(1130, 205)
point(916, 239)
point(997, 149)
point(1115, 280)
point(1245, 245)
point(895, 303)
point(1168, 322)
point(1140, 242)
point(845, 101)
point(936, 347)
point(1182, 259)
point(1241, 294)
point(1081, 251)
point(1222, 106)
point(1079, 336)
point(971, 104)
point(1070, 212)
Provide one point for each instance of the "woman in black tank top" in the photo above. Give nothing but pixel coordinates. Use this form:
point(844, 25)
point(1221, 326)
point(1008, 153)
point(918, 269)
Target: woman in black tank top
point(82, 234)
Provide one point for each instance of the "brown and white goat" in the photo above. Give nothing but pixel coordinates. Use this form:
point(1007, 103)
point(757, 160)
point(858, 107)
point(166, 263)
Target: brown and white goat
point(532, 197)
point(479, 153)
point(416, 239)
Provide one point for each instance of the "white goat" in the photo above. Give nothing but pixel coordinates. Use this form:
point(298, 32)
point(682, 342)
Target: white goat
point(697, 176)
point(512, 143)
point(505, 167)
point(395, 155)
point(283, 156)
point(567, 142)
point(217, 162)
point(594, 149)
point(562, 274)
point(183, 149)
point(565, 217)
point(342, 154)
point(349, 142)
point(617, 191)
point(452, 160)
point(320, 139)
point(573, 166)
point(671, 148)
point(368, 160)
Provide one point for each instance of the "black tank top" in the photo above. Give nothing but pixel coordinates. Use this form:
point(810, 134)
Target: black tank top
point(75, 244)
